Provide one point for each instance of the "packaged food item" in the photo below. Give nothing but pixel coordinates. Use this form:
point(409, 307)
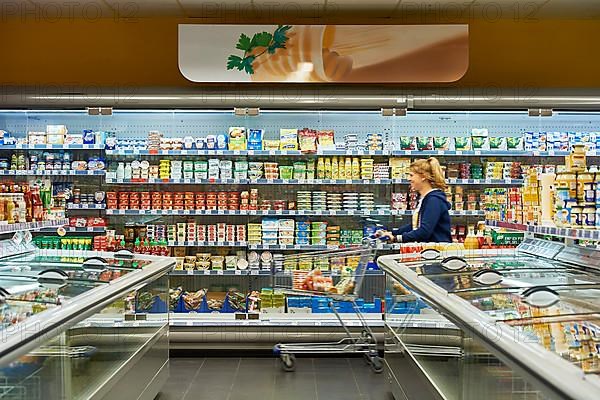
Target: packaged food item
point(514, 143)
point(237, 138)
point(326, 140)
point(480, 143)
point(497, 143)
point(255, 139)
point(408, 143)
point(308, 140)
point(288, 139)
point(424, 143)
point(441, 143)
point(462, 143)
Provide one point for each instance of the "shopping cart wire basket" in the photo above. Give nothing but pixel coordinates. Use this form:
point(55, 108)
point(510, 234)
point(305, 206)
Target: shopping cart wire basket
point(312, 275)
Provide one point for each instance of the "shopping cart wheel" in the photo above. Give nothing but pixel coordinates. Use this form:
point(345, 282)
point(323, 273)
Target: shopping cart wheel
point(377, 364)
point(367, 336)
point(288, 362)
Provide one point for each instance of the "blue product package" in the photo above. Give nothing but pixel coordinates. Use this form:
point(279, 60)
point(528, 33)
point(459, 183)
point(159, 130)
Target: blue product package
point(302, 234)
point(89, 137)
point(255, 137)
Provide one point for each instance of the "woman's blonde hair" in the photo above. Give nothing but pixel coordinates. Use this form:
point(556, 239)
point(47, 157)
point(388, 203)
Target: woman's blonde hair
point(431, 170)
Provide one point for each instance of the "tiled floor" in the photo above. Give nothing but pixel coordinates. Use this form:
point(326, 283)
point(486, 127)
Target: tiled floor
point(262, 378)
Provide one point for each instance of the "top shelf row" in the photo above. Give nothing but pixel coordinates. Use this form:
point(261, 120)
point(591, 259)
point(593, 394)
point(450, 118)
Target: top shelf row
point(144, 152)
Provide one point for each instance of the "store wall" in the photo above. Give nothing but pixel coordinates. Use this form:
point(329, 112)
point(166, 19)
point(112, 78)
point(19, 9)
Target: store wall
point(143, 52)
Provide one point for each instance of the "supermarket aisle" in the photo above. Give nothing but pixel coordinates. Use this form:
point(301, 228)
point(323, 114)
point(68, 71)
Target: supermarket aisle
point(261, 378)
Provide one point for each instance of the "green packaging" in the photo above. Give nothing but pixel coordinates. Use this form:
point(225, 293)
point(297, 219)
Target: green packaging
point(462, 143)
point(441, 143)
point(408, 143)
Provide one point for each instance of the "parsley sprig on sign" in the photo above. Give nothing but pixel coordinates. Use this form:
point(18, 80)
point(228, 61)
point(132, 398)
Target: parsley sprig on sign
point(259, 44)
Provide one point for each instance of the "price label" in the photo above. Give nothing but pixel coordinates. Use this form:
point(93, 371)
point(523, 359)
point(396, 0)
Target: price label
point(254, 272)
point(301, 181)
point(477, 152)
point(459, 152)
point(507, 180)
point(206, 272)
point(250, 152)
point(190, 272)
point(220, 212)
point(377, 180)
point(186, 212)
point(187, 181)
point(236, 152)
point(18, 146)
point(408, 152)
point(91, 172)
point(350, 212)
point(349, 181)
point(48, 146)
point(440, 152)
point(381, 212)
point(90, 229)
point(220, 272)
point(333, 212)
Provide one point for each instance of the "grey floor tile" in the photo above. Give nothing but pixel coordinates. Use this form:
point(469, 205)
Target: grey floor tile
point(262, 378)
point(172, 391)
point(295, 385)
point(331, 363)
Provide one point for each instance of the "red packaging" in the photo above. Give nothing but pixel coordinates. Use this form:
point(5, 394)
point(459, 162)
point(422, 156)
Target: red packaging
point(96, 221)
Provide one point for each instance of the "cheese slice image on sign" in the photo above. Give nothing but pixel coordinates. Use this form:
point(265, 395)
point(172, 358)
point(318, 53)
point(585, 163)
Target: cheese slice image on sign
point(323, 53)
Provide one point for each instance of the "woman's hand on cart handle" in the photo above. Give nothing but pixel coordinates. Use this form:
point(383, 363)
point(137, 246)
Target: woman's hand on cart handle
point(384, 235)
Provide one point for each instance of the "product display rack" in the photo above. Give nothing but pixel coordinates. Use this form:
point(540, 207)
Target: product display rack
point(175, 123)
point(565, 233)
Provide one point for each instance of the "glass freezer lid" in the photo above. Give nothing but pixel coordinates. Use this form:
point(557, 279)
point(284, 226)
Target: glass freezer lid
point(32, 259)
point(506, 304)
point(496, 262)
point(525, 277)
point(576, 339)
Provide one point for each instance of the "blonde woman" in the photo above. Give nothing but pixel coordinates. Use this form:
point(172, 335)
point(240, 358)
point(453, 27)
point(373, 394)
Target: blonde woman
point(431, 220)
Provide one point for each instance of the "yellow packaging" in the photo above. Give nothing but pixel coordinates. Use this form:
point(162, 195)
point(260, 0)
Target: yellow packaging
point(348, 167)
point(341, 169)
point(321, 168)
point(334, 168)
point(327, 168)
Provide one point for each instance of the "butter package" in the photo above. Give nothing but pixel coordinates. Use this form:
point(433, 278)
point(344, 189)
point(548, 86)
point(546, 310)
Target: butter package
point(56, 130)
point(255, 139)
point(73, 138)
point(237, 138)
point(288, 139)
point(36, 138)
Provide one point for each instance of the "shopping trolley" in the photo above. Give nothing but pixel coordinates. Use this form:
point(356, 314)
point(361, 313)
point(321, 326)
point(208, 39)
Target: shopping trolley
point(316, 282)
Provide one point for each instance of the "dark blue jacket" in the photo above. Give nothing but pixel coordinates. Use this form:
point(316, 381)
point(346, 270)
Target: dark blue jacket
point(434, 221)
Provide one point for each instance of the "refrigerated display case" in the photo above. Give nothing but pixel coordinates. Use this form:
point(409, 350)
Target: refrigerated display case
point(361, 131)
point(83, 325)
point(521, 323)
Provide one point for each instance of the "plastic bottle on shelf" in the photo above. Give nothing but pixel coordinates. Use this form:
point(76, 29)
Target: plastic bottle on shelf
point(37, 207)
point(121, 171)
point(10, 208)
point(471, 242)
point(321, 168)
point(127, 171)
point(334, 168)
point(28, 203)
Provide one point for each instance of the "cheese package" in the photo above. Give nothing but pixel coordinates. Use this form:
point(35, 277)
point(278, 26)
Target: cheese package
point(288, 139)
